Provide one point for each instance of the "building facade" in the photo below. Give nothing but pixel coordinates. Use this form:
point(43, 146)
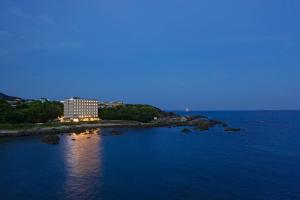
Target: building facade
point(77, 109)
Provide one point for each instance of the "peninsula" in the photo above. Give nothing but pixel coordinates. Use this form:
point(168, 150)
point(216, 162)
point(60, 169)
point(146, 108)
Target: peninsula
point(29, 117)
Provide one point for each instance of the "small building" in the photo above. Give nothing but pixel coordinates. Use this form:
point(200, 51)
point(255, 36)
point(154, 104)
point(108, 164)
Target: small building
point(14, 103)
point(77, 109)
point(43, 100)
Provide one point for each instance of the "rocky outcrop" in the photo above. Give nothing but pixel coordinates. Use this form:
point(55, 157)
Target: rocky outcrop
point(116, 132)
point(50, 139)
point(201, 128)
point(228, 129)
point(200, 124)
point(185, 130)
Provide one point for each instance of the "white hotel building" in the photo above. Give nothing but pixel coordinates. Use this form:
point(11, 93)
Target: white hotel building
point(77, 109)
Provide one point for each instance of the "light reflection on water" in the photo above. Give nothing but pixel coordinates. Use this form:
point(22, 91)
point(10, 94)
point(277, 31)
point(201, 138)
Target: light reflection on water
point(261, 162)
point(83, 158)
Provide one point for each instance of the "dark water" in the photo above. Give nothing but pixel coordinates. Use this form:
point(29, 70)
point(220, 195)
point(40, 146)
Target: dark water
point(262, 162)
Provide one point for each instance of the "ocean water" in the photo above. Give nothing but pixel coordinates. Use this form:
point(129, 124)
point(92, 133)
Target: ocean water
point(260, 163)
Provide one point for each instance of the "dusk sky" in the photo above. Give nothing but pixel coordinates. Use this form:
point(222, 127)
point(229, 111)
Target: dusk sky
point(202, 55)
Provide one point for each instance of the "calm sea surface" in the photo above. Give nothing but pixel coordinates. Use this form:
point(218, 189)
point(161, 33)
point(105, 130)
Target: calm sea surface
point(262, 162)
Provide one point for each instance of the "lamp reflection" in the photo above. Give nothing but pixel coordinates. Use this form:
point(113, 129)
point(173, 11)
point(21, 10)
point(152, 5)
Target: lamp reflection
point(83, 160)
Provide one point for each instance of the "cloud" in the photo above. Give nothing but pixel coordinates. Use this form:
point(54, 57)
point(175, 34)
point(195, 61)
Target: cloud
point(20, 13)
point(44, 19)
point(3, 51)
point(56, 45)
point(43, 31)
point(51, 22)
point(241, 39)
point(5, 33)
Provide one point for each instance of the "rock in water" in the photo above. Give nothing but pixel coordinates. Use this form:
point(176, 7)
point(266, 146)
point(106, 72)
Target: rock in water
point(50, 139)
point(228, 129)
point(185, 130)
point(116, 132)
point(201, 128)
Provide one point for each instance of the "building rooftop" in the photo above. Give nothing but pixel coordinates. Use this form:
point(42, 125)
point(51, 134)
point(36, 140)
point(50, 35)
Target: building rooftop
point(73, 98)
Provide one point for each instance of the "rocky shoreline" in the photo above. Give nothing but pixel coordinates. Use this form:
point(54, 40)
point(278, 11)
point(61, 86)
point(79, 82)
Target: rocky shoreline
point(199, 123)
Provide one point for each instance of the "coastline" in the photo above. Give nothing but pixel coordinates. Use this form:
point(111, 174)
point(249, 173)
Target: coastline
point(205, 124)
point(66, 128)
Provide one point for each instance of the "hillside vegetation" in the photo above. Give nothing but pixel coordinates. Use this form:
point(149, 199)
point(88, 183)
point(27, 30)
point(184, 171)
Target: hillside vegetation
point(33, 112)
point(40, 112)
point(135, 112)
point(8, 98)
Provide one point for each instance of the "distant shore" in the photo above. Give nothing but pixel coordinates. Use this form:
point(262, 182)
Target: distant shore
point(203, 124)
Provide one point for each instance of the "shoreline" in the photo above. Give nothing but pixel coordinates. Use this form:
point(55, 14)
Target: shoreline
point(204, 124)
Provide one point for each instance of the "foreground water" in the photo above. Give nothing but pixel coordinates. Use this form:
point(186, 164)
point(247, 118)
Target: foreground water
point(261, 162)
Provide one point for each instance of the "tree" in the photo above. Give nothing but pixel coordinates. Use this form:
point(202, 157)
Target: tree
point(32, 112)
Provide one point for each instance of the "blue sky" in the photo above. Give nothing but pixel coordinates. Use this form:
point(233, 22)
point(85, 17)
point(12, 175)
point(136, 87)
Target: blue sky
point(204, 55)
